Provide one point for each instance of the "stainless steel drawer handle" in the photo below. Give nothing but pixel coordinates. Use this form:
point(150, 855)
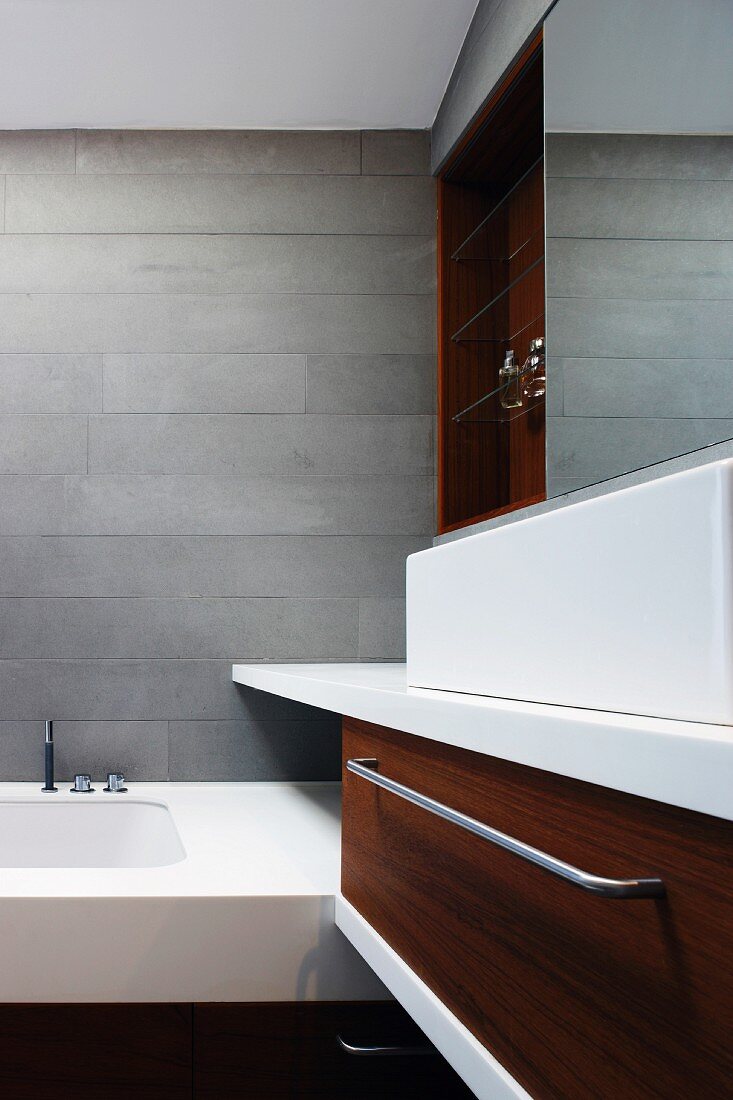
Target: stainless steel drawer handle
point(383, 1052)
point(601, 887)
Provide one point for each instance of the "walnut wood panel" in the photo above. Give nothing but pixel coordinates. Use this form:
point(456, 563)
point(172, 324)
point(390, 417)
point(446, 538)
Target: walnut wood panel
point(289, 1052)
point(485, 467)
point(576, 995)
point(90, 1051)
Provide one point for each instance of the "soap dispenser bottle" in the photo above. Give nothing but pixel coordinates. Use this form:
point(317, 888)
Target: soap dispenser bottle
point(510, 394)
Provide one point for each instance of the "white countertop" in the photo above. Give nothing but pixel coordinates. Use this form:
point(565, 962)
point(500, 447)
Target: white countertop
point(687, 764)
point(247, 915)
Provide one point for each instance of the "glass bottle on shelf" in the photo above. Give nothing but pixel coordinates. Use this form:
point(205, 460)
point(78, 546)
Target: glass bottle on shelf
point(535, 380)
point(510, 394)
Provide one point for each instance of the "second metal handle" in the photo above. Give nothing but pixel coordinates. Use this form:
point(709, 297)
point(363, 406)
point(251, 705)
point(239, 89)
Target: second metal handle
point(383, 1051)
point(594, 884)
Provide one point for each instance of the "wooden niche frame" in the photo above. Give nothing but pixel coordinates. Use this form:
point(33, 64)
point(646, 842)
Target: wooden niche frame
point(491, 298)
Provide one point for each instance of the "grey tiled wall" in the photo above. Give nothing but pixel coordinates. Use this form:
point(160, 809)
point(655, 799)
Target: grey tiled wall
point(498, 33)
point(640, 286)
point(216, 414)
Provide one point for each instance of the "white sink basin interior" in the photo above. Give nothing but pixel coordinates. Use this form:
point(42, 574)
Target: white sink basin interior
point(84, 831)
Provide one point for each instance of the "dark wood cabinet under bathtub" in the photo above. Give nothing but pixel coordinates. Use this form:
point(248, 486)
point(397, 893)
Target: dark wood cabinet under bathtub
point(290, 1051)
point(221, 1051)
point(95, 1051)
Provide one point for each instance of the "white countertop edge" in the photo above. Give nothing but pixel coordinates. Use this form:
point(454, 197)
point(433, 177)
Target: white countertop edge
point(686, 764)
point(471, 1061)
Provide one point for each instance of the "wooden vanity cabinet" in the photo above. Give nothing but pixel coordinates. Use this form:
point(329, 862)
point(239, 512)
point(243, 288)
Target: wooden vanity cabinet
point(577, 996)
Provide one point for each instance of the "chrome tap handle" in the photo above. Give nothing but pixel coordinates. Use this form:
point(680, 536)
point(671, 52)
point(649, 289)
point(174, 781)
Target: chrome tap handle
point(115, 783)
point(82, 785)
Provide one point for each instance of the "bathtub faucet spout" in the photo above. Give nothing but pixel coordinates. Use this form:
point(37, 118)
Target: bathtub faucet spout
point(49, 787)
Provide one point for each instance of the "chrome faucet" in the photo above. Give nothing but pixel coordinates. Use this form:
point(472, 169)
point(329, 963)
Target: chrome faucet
point(49, 787)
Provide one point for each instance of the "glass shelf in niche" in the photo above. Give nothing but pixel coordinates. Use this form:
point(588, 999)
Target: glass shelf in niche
point(490, 410)
point(484, 250)
point(489, 324)
point(478, 244)
point(518, 391)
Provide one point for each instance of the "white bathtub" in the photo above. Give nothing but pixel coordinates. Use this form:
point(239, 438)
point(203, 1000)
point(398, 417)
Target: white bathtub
point(71, 830)
point(211, 891)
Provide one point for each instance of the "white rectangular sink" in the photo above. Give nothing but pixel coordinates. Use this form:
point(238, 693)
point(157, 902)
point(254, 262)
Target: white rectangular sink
point(57, 830)
point(621, 603)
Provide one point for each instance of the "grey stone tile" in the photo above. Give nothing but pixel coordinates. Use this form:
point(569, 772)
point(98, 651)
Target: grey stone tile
point(640, 156)
point(216, 263)
point(363, 323)
point(50, 383)
point(639, 269)
point(43, 444)
point(395, 152)
point(149, 504)
point(134, 691)
point(260, 445)
point(555, 397)
point(255, 750)
point(486, 10)
point(242, 629)
point(560, 486)
point(497, 35)
point(595, 448)
point(371, 384)
point(220, 204)
point(620, 328)
point(302, 152)
point(642, 209)
point(37, 151)
point(203, 565)
point(381, 629)
point(137, 749)
point(190, 383)
point(685, 388)
point(187, 319)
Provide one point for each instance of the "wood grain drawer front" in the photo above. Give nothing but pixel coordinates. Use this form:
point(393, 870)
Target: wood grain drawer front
point(281, 1051)
point(578, 996)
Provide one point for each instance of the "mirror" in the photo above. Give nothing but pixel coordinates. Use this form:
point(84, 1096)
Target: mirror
point(639, 214)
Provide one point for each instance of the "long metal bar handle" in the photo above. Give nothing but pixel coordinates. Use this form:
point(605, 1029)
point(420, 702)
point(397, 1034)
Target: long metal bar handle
point(383, 1052)
point(594, 884)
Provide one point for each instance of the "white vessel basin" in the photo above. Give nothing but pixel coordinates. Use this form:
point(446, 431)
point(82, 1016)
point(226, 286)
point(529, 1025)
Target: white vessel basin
point(57, 830)
point(622, 603)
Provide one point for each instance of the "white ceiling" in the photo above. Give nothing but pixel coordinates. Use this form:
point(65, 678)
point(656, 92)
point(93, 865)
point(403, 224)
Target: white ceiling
point(227, 63)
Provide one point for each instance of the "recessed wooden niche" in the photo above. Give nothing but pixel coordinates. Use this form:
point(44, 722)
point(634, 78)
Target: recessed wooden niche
point(491, 298)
